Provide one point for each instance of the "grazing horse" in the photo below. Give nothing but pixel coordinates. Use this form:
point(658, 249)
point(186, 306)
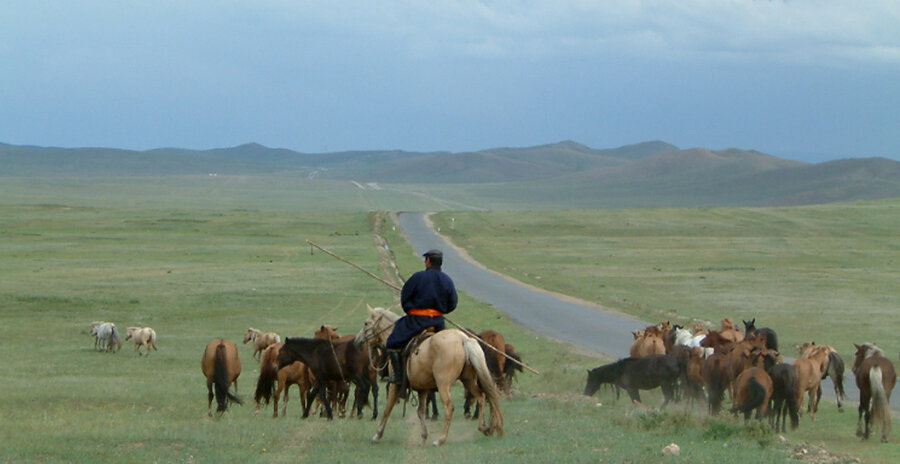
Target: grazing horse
point(875, 377)
point(830, 364)
point(808, 378)
point(330, 362)
point(93, 333)
point(771, 337)
point(438, 362)
point(143, 337)
point(269, 373)
point(260, 340)
point(107, 334)
point(635, 374)
point(221, 366)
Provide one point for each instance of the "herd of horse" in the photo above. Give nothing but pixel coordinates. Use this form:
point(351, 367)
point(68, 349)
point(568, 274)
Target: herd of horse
point(326, 365)
point(702, 365)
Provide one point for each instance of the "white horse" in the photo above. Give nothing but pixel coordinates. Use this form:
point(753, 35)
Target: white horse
point(694, 342)
point(143, 336)
point(682, 336)
point(260, 340)
point(106, 333)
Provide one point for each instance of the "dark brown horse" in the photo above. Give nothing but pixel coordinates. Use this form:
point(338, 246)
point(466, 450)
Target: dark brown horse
point(771, 337)
point(330, 362)
point(339, 391)
point(221, 366)
point(784, 396)
point(635, 374)
point(875, 377)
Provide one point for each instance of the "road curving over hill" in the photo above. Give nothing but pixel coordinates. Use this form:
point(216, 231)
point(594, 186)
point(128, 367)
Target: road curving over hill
point(582, 324)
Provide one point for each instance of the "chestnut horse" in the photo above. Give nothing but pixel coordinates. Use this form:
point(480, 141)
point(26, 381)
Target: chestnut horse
point(808, 378)
point(752, 390)
point(830, 364)
point(294, 374)
point(221, 366)
point(875, 377)
point(496, 363)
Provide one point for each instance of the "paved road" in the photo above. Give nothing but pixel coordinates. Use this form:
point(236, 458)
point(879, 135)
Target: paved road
point(581, 324)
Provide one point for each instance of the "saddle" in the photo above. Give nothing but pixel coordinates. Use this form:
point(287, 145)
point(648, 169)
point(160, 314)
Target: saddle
point(408, 350)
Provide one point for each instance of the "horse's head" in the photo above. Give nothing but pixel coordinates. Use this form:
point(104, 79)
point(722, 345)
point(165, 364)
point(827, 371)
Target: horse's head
point(727, 324)
point(327, 332)
point(864, 351)
point(749, 326)
point(377, 326)
point(129, 332)
point(251, 332)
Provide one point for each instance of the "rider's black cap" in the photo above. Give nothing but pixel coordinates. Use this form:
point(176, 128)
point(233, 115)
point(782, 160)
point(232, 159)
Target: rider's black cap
point(434, 253)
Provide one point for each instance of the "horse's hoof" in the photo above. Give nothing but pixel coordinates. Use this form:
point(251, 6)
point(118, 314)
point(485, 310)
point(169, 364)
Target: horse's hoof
point(437, 443)
point(376, 438)
point(485, 430)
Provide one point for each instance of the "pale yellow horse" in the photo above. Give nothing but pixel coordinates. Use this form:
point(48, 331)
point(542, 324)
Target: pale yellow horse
point(437, 363)
point(260, 340)
point(143, 337)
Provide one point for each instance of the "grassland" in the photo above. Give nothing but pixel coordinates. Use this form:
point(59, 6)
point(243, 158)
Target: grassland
point(197, 267)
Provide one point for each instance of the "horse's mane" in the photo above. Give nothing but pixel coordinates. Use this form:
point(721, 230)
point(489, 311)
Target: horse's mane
point(872, 350)
point(392, 316)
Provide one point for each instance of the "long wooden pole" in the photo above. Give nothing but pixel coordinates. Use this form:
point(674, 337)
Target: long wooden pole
point(396, 288)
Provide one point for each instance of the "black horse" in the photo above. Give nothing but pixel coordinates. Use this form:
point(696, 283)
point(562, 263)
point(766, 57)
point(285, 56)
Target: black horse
point(635, 374)
point(331, 362)
point(771, 336)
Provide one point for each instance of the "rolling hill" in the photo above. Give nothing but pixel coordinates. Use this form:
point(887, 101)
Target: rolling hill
point(560, 175)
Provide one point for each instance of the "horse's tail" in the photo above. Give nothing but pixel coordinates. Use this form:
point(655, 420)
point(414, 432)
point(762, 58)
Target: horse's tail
point(152, 340)
point(756, 394)
point(220, 380)
point(475, 357)
point(881, 411)
point(115, 340)
point(836, 371)
point(265, 386)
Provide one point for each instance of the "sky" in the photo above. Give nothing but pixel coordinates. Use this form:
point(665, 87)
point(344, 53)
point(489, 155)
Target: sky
point(811, 80)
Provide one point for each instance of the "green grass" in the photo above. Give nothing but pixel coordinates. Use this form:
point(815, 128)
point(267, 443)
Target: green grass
point(197, 266)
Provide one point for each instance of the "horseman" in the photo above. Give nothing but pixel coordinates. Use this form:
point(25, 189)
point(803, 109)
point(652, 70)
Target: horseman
point(425, 298)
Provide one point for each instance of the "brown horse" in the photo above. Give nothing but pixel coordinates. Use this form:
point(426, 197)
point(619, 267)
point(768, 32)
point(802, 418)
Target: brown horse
point(784, 396)
point(647, 343)
point(830, 364)
point(753, 388)
point(808, 379)
point(875, 377)
point(329, 362)
point(269, 373)
point(496, 363)
point(340, 391)
point(221, 366)
point(716, 378)
point(729, 332)
point(437, 363)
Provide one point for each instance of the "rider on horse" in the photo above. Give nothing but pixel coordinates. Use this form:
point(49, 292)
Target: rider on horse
point(425, 298)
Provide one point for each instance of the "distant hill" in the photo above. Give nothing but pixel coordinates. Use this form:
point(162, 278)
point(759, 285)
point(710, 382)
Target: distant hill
point(564, 174)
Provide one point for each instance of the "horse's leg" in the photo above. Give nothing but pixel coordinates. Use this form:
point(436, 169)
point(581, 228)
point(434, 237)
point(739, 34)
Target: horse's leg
point(475, 392)
point(374, 399)
point(444, 392)
point(210, 395)
point(391, 400)
point(278, 390)
point(863, 411)
point(420, 412)
point(313, 394)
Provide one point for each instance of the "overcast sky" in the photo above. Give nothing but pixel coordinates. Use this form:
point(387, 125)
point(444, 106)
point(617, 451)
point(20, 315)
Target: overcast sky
point(817, 77)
